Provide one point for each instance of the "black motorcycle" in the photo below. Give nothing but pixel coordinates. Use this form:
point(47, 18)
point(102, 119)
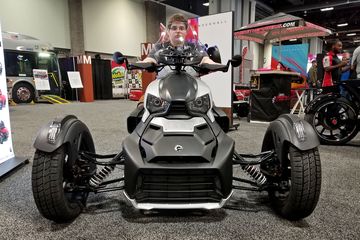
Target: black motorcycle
point(177, 155)
point(336, 118)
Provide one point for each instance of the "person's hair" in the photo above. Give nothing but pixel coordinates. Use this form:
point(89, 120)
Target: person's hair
point(177, 17)
point(331, 43)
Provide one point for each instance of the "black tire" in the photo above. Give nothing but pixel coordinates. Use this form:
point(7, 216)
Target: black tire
point(300, 184)
point(23, 93)
point(334, 122)
point(49, 178)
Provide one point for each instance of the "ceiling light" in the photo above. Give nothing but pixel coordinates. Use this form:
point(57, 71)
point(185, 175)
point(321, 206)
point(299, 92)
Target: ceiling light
point(326, 9)
point(350, 34)
point(357, 40)
point(342, 24)
point(293, 40)
point(206, 4)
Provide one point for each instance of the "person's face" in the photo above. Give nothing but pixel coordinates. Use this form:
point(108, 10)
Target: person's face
point(314, 64)
point(337, 47)
point(177, 33)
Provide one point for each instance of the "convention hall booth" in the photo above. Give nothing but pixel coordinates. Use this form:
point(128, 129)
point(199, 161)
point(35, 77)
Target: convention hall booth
point(281, 84)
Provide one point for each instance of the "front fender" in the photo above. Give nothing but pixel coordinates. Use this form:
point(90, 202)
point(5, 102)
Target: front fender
point(289, 129)
point(64, 130)
point(313, 105)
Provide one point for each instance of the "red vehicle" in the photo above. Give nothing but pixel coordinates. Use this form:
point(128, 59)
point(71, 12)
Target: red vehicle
point(242, 92)
point(135, 94)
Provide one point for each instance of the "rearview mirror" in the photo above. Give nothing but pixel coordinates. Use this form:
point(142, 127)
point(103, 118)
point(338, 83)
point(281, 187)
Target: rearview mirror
point(236, 60)
point(214, 54)
point(118, 57)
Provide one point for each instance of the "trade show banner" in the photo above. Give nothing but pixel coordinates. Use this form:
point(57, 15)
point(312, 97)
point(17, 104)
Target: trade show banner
point(217, 30)
point(6, 147)
point(294, 57)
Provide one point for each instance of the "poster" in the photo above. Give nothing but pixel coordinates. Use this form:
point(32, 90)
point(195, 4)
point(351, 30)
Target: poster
point(75, 79)
point(6, 147)
point(292, 56)
point(41, 79)
point(220, 83)
point(118, 73)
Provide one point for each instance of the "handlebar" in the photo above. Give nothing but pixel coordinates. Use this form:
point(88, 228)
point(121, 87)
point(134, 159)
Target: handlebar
point(202, 68)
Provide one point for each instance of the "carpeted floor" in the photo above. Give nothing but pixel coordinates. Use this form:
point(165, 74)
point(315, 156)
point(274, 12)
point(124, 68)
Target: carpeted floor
point(109, 216)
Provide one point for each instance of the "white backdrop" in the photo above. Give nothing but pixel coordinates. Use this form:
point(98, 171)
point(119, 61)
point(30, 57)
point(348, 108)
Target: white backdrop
point(217, 30)
point(6, 148)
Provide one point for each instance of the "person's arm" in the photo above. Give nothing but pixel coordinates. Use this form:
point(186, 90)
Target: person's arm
point(354, 58)
point(346, 68)
point(151, 57)
point(148, 60)
point(327, 64)
point(208, 60)
point(340, 65)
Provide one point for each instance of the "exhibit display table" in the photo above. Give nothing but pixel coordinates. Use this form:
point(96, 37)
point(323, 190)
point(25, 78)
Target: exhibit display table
point(270, 95)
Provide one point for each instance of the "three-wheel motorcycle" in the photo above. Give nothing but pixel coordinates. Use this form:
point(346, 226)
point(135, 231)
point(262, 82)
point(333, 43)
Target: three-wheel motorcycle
point(177, 154)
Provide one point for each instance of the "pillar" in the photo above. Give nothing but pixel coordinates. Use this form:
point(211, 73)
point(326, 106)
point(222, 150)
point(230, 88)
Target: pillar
point(76, 27)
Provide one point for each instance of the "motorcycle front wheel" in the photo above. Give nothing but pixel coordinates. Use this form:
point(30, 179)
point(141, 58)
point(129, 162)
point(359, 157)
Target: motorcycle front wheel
point(298, 186)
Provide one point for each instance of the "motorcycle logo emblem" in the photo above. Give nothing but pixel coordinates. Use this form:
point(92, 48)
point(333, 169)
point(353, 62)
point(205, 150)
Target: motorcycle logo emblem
point(178, 148)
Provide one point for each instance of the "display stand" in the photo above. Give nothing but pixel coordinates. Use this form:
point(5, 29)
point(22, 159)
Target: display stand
point(8, 160)
point(300, 100)
point(11, 165)
point(75, 82)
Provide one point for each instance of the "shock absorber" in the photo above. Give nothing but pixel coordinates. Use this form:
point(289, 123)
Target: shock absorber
point(255, 174)
point(99, 177)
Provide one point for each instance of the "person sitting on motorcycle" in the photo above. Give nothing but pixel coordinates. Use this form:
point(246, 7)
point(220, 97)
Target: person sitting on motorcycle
point(176, 32)
point(176, 29)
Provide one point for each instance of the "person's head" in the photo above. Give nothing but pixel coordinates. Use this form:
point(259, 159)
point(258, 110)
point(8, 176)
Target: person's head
point(314, 63)
point(346, 56)
point(336, 46)
point(177, 28)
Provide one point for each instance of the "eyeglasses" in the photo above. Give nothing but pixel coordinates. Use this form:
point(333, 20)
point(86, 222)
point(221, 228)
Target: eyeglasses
point(181, 28)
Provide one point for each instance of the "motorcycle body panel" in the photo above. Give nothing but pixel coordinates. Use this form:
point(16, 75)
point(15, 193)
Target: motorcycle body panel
point(63, 130)
point(289, 129)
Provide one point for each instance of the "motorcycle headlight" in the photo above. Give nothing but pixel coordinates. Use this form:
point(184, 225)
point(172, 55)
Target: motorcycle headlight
point(156, 105)
point(200, 104)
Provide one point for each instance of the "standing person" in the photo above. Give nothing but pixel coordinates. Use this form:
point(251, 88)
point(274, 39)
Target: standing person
point(312, 80)
point(345, 75)
point(333, 65)
point(312, 74)
point(355, 62)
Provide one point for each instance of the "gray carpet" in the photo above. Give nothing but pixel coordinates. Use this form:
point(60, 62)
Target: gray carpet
point(109, 216)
